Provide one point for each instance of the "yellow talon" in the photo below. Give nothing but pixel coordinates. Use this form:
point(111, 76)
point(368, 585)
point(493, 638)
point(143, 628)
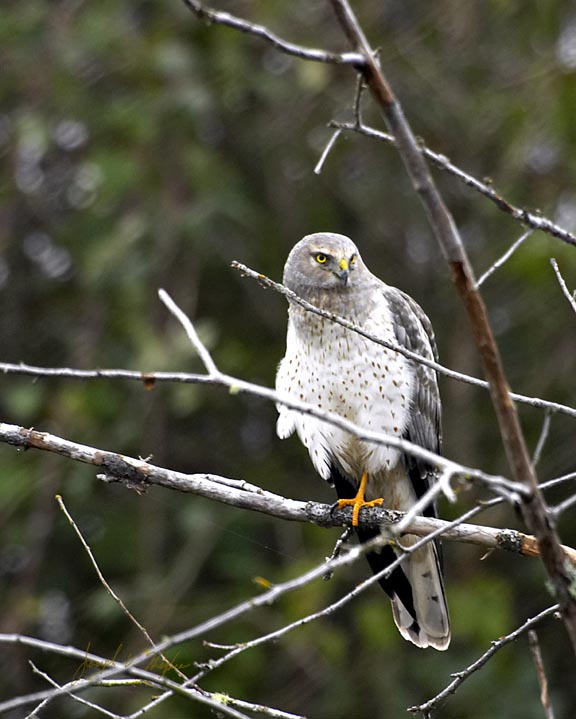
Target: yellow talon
point(358, 501)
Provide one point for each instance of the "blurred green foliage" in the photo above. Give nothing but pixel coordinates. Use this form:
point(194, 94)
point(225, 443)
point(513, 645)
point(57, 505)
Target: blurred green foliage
point(140, 149)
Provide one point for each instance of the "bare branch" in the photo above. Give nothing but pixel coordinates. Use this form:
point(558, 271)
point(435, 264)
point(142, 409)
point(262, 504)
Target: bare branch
point(72, 695)
point(109, 668)
point(234, 650)
point(428, 498)
point(12, 434)
point(329, 145)
point(109, 589)
point(544, 432)
point(138, 474)
point(356, 59)
point(326, 611)
point(537, 656)
point(260, 709)
point(570, 297)
point(563, 506)
point(219, 17)
point(441, 369)
point(535, 512)
point(531, 219)
point(149, 379)
point(558, 480)
point(338, 547)
point(190, 330)
point(503, 258)
point(237, 385)
point(460, 677)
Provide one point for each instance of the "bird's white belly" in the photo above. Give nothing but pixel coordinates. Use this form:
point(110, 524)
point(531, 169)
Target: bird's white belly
point(346, 374)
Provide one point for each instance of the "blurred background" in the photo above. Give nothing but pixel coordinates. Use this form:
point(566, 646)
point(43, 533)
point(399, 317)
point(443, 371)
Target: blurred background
point(141, 148)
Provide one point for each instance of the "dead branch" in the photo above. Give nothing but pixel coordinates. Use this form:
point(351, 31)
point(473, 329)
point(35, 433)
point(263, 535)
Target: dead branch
point(441, 369)
point(503, 258)
point(219, 17)
point(142, 629)
point(139, 475)
point(542, 679)
point(534, 510)
point(561, 281)
point(525, 217)
point(428, 707)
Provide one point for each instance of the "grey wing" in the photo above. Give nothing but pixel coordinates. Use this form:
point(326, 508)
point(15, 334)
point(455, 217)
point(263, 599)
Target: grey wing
point(413, 331)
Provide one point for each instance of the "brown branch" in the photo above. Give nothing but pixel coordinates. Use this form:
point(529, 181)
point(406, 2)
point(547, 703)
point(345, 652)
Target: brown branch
point(139, 475)
point(534, 510)
point(542, 679)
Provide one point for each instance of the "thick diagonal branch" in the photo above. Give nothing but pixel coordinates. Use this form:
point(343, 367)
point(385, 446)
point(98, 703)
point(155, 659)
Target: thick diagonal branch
point(139, 475)
point(534, 509)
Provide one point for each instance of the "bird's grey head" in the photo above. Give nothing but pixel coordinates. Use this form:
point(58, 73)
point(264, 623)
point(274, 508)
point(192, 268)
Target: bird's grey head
point(323, 262)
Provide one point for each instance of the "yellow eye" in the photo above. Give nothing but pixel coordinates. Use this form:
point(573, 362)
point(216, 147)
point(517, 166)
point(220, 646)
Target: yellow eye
point(321, 259)
point(353, 260)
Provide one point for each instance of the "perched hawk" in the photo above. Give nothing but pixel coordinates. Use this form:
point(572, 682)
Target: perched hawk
point(378, 389)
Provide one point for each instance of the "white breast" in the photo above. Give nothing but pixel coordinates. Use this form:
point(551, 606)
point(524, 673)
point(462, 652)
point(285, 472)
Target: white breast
point(339, 371)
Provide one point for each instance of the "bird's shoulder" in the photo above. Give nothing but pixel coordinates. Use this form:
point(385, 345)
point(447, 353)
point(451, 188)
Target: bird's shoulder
point(412, 326)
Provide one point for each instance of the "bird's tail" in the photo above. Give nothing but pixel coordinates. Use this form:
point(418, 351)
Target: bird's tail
point(416, 591)
point(426, 623)
point(415, 587)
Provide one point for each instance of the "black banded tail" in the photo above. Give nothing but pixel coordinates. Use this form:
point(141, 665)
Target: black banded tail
point(415, 587)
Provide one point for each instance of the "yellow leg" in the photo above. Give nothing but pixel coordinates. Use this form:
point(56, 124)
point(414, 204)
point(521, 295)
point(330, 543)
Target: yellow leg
point(358, 501)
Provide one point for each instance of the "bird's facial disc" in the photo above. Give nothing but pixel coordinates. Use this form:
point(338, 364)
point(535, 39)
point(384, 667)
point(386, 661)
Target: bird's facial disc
point(338, 266)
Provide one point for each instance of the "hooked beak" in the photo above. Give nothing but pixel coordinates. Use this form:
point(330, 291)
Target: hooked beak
point(344, 271)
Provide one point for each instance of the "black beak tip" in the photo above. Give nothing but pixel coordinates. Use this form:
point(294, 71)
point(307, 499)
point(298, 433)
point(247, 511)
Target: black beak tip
point(344, 276)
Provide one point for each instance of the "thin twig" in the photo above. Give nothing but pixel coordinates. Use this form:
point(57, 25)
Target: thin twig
point(111, 668)
point(442, 484)
point(108, 669)
point(190, 330)
point(460, 677)
point(503, 258)
point(563, 506)
point(570, 297)
point(321, 613)
point(542, 680)
point(544, 432)
point(558, 480)
point(329, 145)
point(331, 608)
point(531, 219)
point(72, 695)
point(109, 589)
point(441, 369)
point(342, 539)
point(150, 378)
point(357, 104)
point(260, 709)
point(237, 385)
point(536, 221)
point(223, 18)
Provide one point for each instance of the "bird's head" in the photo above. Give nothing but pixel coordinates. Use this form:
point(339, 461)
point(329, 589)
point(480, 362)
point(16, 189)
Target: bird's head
point(321, 262)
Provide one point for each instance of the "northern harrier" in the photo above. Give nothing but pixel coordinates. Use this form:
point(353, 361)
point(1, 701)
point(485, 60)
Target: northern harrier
point(378, 389)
